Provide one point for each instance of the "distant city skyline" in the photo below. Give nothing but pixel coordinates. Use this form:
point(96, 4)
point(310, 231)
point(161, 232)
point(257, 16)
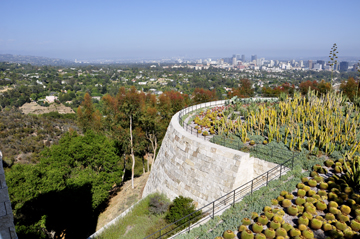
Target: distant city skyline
point(193, 29)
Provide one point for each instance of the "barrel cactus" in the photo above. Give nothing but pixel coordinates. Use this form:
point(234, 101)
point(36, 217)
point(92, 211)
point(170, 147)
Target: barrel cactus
point(260, 236)
point(287, 226)
point(355, 225)
point(295, 232)
point(270, 233)
point(293, 210)
point(247, 234)
point(246, 221)
point(321, 205)
point(341, 225)
point(312, 183)
point(345, 209)
point(301, 192)
point(263, 219)
point(327, 227)
point(286, 203)
point(275, 224)
point(329, 216)
point(316, 224)
point(308, 234)
point(228, 234)
point(303, 220)
point(257, 227)
point(281, 232)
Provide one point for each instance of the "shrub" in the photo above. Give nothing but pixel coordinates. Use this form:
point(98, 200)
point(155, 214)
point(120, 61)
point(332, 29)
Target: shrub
point(181, 207)
point(158, 204)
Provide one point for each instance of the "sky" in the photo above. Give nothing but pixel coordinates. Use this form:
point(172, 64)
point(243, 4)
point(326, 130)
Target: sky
point(115, 29)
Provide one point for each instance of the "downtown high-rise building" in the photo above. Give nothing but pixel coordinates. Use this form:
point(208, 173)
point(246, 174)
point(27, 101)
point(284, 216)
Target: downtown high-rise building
point(243, 58)
point(253, 57)
point(310, 63)
point(344, 66)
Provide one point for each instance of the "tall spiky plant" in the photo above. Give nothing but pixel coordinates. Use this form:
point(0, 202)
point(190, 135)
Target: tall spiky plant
point(333, 59)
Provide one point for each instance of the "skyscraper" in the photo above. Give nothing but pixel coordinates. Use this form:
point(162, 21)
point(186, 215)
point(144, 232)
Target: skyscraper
point(253, 57)
point(243, 58)
point(238, 57)
point(322, 63)
point(310, 64)
point(344, 65)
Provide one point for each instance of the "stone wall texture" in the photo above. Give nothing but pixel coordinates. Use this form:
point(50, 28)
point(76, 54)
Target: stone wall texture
point(193, 167)
point(7, 228)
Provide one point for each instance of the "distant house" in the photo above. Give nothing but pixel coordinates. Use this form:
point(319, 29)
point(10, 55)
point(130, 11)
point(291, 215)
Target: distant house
point(142, 83)
point(51, 99)
point(96, 97)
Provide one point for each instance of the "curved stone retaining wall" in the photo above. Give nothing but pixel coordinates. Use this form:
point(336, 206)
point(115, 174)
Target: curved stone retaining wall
point(7, 229)
point(195, 168)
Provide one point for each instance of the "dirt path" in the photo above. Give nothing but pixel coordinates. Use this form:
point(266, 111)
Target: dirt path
point(123, 200)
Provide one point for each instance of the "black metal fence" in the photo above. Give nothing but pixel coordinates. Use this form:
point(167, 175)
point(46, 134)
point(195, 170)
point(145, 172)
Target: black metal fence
point(219, 205)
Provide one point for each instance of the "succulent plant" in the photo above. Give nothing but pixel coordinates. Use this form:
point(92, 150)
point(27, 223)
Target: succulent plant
point(322, 193)
point(312, 183)
point(336, 233)
point(295, 232)
point(293, 210)
point(280, 198)
point(310, 193)
point(257, 227)
point(263, 219)
point(323, 185)
point(275, 210)
point(278, 218)
point(246, 221)
point(316, 224)
point(304, 179)
point(316, 196)
point(281, 232)
point(275, 224)
point(311, 210)
point(287, 226)
point(260, 236)
point(301, 192)
point(274, 202)
point(318, 179)
point(348, 190)
point(283, 193)
point(306, 188)
point(219, 238)
point(247, 234)
point(348, 233)
point(310, 200)
point(351, 202)
point(343, 196)
point(302, 227)
point(308, 215)
point(334, 210)
point(228, 234)
point(327, 227)
point(345, 209)
point(357, 212)
point(270, 233)
point(329, 163)
point(300, 200)
point(355, 225)
point(339, 200)
point(316, 167)
point(300, 208)
point(254, 215)
point(289, 196)
point(252, 142)
point(321, 205)
point(281, 212)
point(333, 204)
point(265, 142)
point(313, 173)
point(323, 170)
point(286, 203)
point(329, 216)
point(269, 214)
point(300, 185)
point(308, 234)
point(342, 217)
point(303, 220)
point(267, 208)
point(332, 195)
point(242, 228)
point(338, 169)
point(340, 225)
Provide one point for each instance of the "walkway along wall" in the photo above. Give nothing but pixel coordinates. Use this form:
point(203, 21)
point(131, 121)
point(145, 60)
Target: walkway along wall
point(7, 229)
point(196, 168)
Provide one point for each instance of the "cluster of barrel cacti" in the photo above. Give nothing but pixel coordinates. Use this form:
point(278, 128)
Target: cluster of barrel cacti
point(329, 205)
point(322, 122)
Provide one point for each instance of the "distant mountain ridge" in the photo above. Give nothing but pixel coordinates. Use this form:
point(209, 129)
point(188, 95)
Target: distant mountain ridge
point(34, 60)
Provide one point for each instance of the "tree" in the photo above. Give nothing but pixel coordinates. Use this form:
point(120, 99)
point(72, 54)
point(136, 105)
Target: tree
point(350, 88)
point(245, 89)
point(201, 95)
point(124, 111)
point(88, 118)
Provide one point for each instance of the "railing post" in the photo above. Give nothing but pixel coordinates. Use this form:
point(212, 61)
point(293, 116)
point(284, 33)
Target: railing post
point(189, 225)
point(252, 183)
point(213, 209)
point(234, 199)
point(267, 178)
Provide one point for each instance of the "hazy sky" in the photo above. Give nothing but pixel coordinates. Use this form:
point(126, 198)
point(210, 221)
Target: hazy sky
point(150, 28)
